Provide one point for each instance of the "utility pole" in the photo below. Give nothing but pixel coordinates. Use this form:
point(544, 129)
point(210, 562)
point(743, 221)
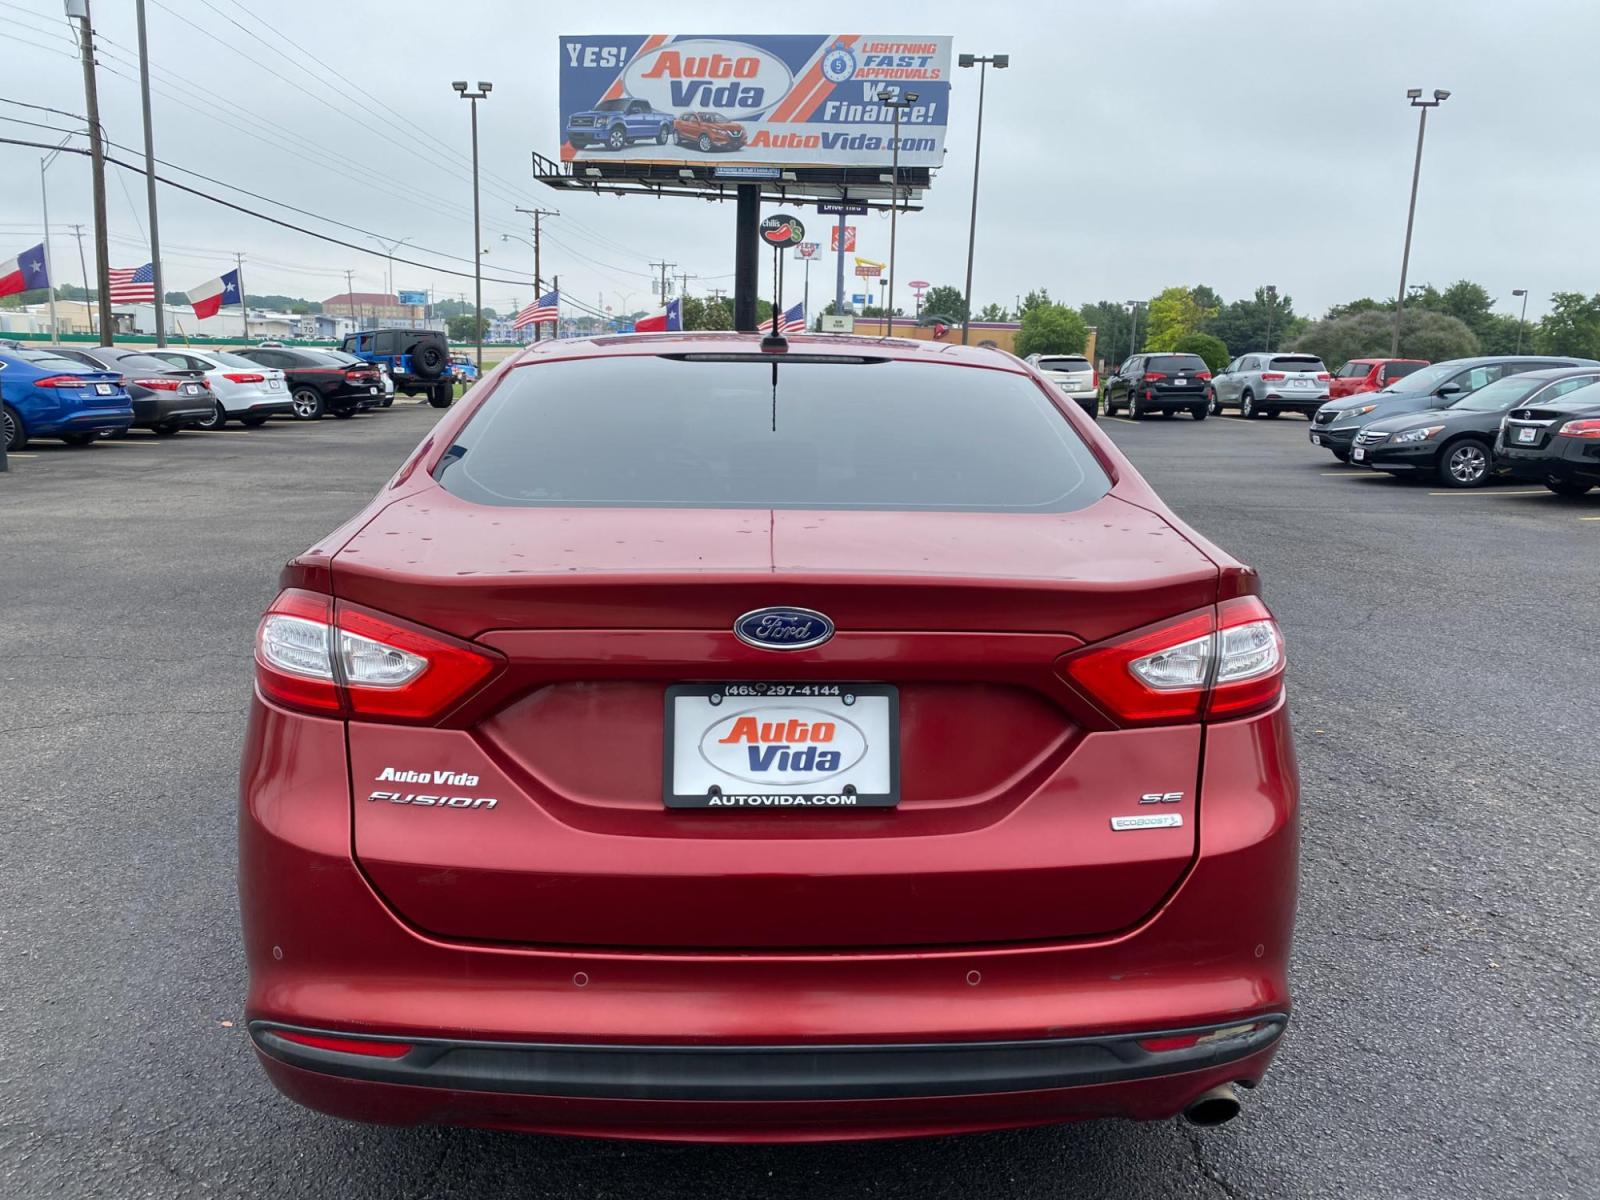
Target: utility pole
point(83, 265)
point(44, 199)
point(899, 101)
point(538, 277)
point(350, 295)
point(1000, 62)
point(482, 93)
point(244, 305)
point(664, 267)
point(97, 157)
point(1417, 102)
point(150, 182)
point(683, 283)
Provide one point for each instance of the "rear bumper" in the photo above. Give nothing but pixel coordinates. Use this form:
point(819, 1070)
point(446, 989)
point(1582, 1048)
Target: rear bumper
point(1577, 460)
point(164, 409)
point(1294, 402)
point(94, 420)
point(934, 1024)
point(256, 404)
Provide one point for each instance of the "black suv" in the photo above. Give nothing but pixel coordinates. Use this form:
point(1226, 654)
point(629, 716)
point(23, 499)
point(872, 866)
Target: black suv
point(1160, 383)
point(418, 360)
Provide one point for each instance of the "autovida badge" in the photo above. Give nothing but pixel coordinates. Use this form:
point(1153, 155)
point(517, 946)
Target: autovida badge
point(783, 628)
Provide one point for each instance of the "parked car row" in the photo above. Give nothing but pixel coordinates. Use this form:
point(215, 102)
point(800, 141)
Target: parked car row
point(78, 393)
point(1450, 421)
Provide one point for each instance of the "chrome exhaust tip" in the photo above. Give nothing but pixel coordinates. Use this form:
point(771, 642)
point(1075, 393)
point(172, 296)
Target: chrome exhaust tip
point(1216, 1107)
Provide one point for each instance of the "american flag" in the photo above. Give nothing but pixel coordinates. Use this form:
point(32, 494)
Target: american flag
point(129, 285)
point(794, 320)
point(543, 311)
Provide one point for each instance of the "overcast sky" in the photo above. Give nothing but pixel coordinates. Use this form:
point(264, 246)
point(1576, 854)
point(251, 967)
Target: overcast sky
point(1131, 146)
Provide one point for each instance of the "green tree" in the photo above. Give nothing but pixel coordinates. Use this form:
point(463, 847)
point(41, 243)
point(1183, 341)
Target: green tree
point(707, 312)
point(1365, 304)
point(945, 301)
point(1211, 349)
point(1423, 334)
point(1243, 325)
point(1112, 324)
point(1051, 329)
point(1572, 326)
point(1033, 300)
point(993, 312)
point(1175, 313)
point(460, 328)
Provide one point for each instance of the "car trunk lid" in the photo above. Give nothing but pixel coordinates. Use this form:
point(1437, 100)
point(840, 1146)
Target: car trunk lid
point(1008, 779)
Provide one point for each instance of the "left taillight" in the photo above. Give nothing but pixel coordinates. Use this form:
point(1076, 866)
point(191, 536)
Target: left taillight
point(61, 381)
point(1211, 664)
point(318, 656)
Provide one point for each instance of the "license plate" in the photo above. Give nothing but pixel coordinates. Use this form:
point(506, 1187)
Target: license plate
point(372, 391)
point(1358, 454)
point(104, 389)
point(1180, 381)
point(273, 384)
point(191, 389)
point(782, 745)
point(1299, 383)
point(1316, 439)
point(1527, 435)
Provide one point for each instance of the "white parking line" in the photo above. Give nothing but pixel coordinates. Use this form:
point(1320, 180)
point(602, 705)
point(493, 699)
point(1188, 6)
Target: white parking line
point(1353, 473)
point(1123, 420)
point(15, 454)
point(1486, 495)
point(1589, 518)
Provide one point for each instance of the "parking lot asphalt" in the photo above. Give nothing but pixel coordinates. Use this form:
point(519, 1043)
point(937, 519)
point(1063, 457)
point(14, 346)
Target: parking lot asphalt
point(1443, 681)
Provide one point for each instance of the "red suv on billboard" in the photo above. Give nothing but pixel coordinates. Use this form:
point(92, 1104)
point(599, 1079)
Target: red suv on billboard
point(707, 131)
point(1370, 375)
point(704, 740)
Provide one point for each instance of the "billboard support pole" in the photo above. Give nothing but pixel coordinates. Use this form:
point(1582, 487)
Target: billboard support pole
point(838, 285)
point(747, 224)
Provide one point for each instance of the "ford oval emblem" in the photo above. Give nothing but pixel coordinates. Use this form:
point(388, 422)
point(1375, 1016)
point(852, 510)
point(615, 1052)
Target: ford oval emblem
point(783, 628)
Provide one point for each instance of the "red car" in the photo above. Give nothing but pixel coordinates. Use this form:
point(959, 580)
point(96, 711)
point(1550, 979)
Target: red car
point(1370, 375)
point(697, 740)
point(707, 131)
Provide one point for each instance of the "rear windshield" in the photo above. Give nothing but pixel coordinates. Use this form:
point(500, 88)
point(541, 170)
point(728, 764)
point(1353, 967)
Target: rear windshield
point(49, 360)
point(672, 433)
point(232, 360)
point(1064, 364)
point(1399, 370)
point(1175, 362)
point(145, 362)
point(1298, 363)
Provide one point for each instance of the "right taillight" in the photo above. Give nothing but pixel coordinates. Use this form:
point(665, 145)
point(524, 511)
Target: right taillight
point(318, 657)
point(1580, 429)
point(1210, 664)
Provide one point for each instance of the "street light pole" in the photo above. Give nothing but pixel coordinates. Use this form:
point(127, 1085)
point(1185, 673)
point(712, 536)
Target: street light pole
point(899, 101)
point(97, 159)
point(1000, 61)
point(1417, 102)
point(150, 182)
point(482, 93)
point(44, 199)
point(1522, 322)
point(1133, 328)
point(1272, 303)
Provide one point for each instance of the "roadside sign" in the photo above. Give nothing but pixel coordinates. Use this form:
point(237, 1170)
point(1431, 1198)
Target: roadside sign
point(721, 172)
point(833, 324)
point(849, 238)
point(868, 270)
point(919, 283)
point(782, 229)
point(859, 298)
point(807, 249)
point(845, 210)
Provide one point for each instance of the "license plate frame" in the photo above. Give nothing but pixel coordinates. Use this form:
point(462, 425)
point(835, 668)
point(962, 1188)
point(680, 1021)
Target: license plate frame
point(1527, 436)
point(1359, 454)
point(698, 716)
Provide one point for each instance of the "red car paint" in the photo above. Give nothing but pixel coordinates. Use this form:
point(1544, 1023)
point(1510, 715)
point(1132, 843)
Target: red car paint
point(1378, 374)
point(995, 905)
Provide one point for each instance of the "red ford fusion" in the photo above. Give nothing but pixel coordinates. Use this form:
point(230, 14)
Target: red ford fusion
point(707, 739)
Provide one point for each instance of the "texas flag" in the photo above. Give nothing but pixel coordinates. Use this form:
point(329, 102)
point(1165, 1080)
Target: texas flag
point(24, 273)
point(668, 320)
point(214, 293)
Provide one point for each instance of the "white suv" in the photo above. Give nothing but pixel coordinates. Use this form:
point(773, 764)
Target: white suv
point(1073, 374)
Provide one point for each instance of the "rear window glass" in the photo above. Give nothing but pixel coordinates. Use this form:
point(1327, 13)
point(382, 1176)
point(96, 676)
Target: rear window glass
point(1064, 364)
point(1355, 370)
point(49, 360)
point(233, 360)
point(1175, 362)
point(659, 432)
point(145, 362)
point(1399, 370)
point(1298, 363)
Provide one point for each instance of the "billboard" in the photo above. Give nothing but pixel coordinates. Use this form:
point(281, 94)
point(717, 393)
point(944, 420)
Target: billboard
point(796, 100)
point(413, 298)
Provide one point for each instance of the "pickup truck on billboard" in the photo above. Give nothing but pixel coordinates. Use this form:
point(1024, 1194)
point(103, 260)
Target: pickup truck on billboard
point(779, 99)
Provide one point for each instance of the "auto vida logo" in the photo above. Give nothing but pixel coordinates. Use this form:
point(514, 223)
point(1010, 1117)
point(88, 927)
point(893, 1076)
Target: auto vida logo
point(783, 628)
point(804, 746)
point(709, 73)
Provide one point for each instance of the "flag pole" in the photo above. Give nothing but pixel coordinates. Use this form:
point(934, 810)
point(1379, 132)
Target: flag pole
point(244, 308)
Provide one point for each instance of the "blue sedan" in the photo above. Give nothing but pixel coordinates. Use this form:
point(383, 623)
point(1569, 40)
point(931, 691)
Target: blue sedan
point(44, 395)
